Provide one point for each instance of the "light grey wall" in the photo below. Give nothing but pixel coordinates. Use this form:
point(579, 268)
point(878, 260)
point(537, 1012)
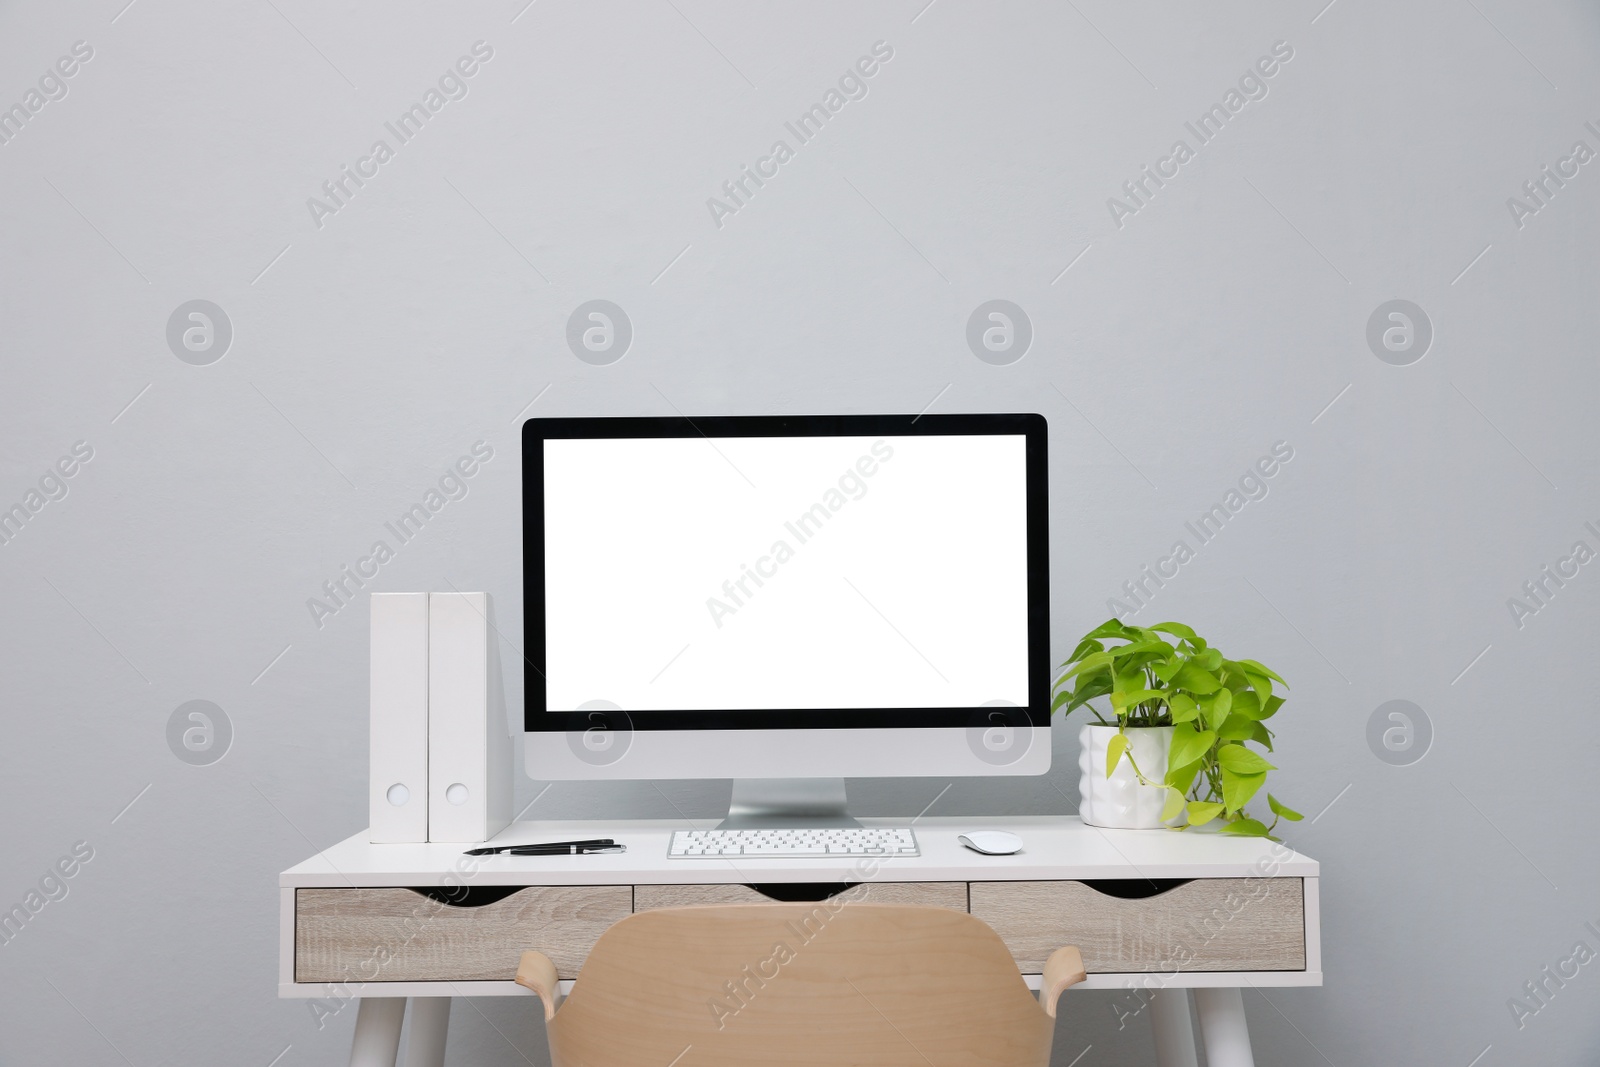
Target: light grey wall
point(368, 353)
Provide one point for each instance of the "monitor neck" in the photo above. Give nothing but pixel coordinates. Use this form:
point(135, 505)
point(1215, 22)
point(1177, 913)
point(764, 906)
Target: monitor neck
point(787, 802)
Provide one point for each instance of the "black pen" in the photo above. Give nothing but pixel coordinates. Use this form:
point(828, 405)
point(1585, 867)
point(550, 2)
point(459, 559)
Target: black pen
point(559, 846)
point(565, 850)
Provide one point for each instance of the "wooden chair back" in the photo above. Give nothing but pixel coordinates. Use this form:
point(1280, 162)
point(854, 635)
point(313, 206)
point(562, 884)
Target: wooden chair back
point(875, 985)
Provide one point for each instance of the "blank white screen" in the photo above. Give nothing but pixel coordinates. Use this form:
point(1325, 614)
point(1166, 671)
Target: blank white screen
point(907, 587)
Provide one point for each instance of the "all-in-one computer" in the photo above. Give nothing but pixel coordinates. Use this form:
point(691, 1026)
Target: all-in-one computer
point(787, 601)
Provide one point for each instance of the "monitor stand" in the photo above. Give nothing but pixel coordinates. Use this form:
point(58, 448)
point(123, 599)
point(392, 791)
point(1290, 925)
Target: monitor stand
point(805, 803)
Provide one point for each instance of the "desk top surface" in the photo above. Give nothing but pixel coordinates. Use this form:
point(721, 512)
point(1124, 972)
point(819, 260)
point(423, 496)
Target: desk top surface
point(1054, 847)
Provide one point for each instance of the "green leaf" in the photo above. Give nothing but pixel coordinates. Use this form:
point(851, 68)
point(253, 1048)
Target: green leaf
point(1086, 646)
point(1109, 628)
point(1259, 669)
point(1241, 760)
point(1140, 661)
point(1210, 659)
point(1167, 669)
point(1094, 661)
point(1139, 647)
point(1202, 812)
point(1114, 750)
point(1246, 703)
point(1182, 707)
point(1173, 806)
point(1237, 789)
point(1217, 708)
point(1098, 678)
point(1281, 810)
point(1262, 736)
point(1188, 745)
point(1196, 679)
point(1238, 728)
point(1181, 778)
point(1271, 707)
point(1128, 691)
point(1244, 828)
point(1075, 704)
point(1260, 683)
point(1176, 629)
point(1087, 688)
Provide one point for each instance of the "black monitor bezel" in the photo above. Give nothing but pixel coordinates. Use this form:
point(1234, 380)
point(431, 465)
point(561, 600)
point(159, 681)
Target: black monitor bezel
point(1032, 427)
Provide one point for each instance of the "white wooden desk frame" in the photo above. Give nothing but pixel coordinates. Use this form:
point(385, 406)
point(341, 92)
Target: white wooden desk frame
point(1056, 849)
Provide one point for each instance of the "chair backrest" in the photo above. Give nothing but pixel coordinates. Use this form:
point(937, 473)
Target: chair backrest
point(789, 984)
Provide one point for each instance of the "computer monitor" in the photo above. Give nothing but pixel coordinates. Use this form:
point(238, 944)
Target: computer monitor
point(786, 597)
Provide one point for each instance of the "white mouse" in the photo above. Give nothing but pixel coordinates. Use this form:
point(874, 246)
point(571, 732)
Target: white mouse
point(991, 842)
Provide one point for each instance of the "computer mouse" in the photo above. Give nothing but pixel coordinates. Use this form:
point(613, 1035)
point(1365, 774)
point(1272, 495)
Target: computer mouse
point(991, 842)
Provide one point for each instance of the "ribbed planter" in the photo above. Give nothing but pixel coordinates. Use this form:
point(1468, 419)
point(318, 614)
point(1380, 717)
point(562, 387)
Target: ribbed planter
point(1120, 801)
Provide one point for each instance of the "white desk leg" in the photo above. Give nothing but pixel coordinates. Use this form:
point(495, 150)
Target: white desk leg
point(430, 1021)
point(377, 1040)
point(1169, 1015)
point(1223, 1029)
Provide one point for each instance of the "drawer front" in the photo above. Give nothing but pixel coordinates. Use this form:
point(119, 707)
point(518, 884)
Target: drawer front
point(938, 894)
point(1210, 924)
point(396, 935)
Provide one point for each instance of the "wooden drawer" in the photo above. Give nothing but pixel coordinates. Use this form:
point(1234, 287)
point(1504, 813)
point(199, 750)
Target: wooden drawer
point(399, 935)
point(939, 894)
point(1210, 924)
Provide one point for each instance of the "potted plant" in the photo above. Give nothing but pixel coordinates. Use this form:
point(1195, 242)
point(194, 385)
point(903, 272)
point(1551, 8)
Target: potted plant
point(1176, 751)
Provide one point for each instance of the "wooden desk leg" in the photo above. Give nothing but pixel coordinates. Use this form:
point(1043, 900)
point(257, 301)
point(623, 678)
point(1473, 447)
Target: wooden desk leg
point(430, 1021)
point(377, 1040)
point(1169, 1015)
point(1223, 1029)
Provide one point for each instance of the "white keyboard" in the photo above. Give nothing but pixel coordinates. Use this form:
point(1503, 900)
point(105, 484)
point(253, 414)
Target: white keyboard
point(793, 844)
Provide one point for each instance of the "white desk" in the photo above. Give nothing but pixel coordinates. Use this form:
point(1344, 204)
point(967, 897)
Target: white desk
point(355, 922)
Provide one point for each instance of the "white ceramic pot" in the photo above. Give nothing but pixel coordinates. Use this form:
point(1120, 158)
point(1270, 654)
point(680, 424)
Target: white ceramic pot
point(1121, 801)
